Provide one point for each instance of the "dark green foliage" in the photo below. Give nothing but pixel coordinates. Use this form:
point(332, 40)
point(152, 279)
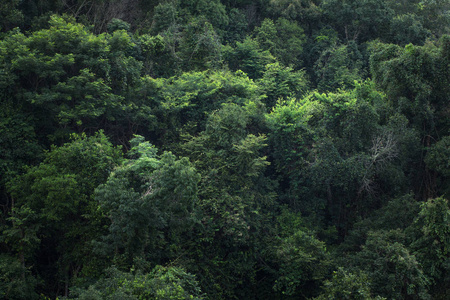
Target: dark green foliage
point(346, 285)
point(235, 200)
point(358, 19)
point(393, 269)
point(339, 66)
point(296, 138)
point(248, 57)
point(302, 259)
point(432, 244)
point(284, 39)
point(10, 15)
point(406, 29)
point(438, 159)
point(53, 206)
point(16, 282)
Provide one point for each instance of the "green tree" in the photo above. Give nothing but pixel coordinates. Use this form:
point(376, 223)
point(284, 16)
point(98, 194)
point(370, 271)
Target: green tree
point(236, 201)
point(150, 202)
point(415, 79)
point(15, 282)
point(161, 283)
point(54, 208)
point(284, 39)
point(347, 285)
point(339, 67)
point(301, 259)
point(306, 12)
point(437, 158)
point(282, 82)
point(68, 79)
point(395, 271)
point(200, 47)
point(361, 20)
point(10, 15)
point(432, 244)
point(248, 57)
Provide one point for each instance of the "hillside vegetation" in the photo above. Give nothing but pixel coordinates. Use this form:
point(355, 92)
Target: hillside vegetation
point(224, 149)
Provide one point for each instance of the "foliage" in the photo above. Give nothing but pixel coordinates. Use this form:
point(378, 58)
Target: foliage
point(346, 285)
point(161, 283)
point(248, 57)
point(150, 203)
point(394, 270)
point(249, 147)
point(53, 206)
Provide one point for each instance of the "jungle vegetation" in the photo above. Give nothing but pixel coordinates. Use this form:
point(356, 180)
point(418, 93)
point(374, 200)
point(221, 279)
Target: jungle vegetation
point(224, 149)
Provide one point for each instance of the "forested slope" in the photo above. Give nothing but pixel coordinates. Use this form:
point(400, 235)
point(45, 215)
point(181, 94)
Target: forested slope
point(234, 149)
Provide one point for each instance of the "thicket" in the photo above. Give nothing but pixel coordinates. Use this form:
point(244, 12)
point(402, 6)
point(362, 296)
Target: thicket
point(245, 149)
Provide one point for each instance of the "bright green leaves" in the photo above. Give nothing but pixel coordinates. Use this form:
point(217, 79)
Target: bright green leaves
point(81, 99)
point(186, 100)
point(161, 283)
point(282, 82)
point(75, 77)
point(64, 182)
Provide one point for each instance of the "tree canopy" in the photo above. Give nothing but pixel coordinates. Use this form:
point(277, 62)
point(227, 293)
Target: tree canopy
point(226, 149)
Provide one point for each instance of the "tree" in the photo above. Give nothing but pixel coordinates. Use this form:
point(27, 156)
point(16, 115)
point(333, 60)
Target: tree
point(361, 20)
point(415, 79)
point(307, 12)
point(181, 104)
point(431, 243)
point(150, 202)
point(284, 39)
point(248, 57)
point(339, 66)
point(282, 82)
point(68, 79)
point(301, 259)
point(437, 158)
point(10, 15)
point(347, 285)
point(53, 208)
point(393, 269)
point(236, 202)
point(161, 283)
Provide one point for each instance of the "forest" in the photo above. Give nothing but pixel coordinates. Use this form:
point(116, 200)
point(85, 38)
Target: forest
point(224, 149)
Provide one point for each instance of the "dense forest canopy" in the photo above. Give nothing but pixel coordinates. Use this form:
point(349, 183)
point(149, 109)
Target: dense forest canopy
point(224, 149)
